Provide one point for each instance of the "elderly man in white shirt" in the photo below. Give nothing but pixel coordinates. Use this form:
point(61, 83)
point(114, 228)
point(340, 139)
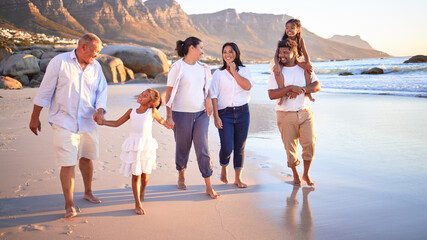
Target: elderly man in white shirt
point(76, 90)
point(294, 117)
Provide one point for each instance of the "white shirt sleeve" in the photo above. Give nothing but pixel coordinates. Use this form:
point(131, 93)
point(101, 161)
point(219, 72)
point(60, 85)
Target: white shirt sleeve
point(172, 76)
point(246, 73)
point(314, 77)
point(101, 92)
point(272, 84)
point(213, 90)
point(49, 82)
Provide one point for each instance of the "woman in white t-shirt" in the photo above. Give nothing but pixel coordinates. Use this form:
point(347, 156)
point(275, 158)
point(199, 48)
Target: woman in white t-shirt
point(188, 109)
point(230, 96)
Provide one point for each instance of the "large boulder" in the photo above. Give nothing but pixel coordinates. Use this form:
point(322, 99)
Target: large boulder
point(43, 64)
point(5, 52)
point(20, 64)
point(129, 74)
point(113, 68)
point(161, 78)
point(37, 53)
point(148, 60)
point(9, 83)
point(23, 79)
point(417, 59)
point(374, 70)
point(49, 55)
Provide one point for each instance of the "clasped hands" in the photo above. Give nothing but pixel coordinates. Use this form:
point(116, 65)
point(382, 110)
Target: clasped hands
point(295, 91)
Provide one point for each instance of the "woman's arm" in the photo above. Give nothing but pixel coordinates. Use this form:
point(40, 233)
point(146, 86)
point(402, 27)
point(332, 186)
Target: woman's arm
point(242, 81)
point(119, 121)
point(169, 119)
point(217, 119)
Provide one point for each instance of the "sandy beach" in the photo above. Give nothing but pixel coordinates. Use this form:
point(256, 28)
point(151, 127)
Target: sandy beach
point(369, 170)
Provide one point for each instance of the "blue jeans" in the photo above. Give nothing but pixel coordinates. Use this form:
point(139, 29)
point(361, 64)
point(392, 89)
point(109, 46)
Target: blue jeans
point(235, 127)
point(192, 128)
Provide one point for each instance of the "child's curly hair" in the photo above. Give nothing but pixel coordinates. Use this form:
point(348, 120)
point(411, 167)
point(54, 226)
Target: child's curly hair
point(156, 99)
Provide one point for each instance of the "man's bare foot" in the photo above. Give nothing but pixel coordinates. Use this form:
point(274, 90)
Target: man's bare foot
point(307, 179)
point(139, 211)
point(297, 182)
point(224, 175)
point(240, 184)
point(213, 194)
point(91, 198)
point(70, 212)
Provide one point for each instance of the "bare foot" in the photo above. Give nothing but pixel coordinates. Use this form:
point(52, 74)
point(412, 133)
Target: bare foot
point(224, 177)
point(91, 198)
point(139, 211)
point(181, 185)
point(307, 190)
point(297, 182)
point(213, 194)
point(70, 212)
point(307, 179)
point(240, 184)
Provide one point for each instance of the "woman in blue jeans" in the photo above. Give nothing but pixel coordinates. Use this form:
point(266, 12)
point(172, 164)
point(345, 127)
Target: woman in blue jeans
point(230, 96)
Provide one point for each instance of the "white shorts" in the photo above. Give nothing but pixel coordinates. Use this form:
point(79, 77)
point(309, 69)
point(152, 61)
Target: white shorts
point(69, 147)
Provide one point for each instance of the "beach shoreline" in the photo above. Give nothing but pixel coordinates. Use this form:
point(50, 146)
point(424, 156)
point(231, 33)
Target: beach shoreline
point(344, 204)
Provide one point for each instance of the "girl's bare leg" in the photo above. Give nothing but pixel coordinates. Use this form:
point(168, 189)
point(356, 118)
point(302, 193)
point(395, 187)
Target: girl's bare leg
point(136, 188)
point(144, 182)
point(307, 75)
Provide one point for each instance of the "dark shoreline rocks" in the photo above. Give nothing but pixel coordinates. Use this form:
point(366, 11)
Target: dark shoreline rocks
point(374, 70)
point(417, 59)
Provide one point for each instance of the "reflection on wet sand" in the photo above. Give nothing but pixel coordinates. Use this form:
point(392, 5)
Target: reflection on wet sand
point(305, 229)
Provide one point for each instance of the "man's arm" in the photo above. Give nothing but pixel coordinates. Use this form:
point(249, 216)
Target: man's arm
point(35, 123)
point(280, 92)
point(312, 87)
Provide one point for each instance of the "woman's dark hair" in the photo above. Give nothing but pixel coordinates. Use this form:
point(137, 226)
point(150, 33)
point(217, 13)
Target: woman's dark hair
point(237, 60)
point(183, 46)
point(297, 24)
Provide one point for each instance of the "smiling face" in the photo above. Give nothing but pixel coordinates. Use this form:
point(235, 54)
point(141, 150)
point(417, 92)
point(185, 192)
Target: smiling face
point(286, 56)
point(145, 98)
point(197, 51)
point(88, 51)
point(291, 30)
point(228, 54)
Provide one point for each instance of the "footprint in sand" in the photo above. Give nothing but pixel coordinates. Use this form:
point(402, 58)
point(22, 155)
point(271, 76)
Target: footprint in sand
point(285, 174)
point(264, 165)
point(126, 186)
point(33, 227)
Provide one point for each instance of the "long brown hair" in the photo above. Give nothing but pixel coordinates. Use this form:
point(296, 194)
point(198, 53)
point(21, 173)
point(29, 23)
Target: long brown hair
point(297, 24)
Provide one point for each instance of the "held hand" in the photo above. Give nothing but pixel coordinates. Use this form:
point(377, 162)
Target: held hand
point(170, 122)
point(218, 122)
point(298, 90)
point(208, 107)
point(292, 95)
point(99, 118)
point(35, 125)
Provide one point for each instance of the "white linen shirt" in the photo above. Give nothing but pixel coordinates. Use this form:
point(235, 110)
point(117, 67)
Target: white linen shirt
point(293, 76)
point(73, 94)
point(227, 91)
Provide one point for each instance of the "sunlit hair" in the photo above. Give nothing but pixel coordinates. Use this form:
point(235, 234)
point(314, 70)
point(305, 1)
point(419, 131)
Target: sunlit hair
point(237, 60)
point(297, 24)
point(183, 46)
point(89, 38)
point(290, 44)
point(156, 100)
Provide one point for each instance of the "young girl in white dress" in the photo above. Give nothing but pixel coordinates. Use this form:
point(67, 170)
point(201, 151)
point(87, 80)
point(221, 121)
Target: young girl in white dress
point(139, 149)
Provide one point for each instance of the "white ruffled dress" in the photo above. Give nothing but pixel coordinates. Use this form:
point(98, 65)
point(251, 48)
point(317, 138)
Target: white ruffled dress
point(139, 149)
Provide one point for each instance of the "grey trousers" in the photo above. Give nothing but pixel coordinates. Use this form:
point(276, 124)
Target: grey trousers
point(192, 127)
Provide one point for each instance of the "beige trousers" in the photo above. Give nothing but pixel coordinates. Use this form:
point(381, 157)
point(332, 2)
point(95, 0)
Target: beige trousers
point(294, 127)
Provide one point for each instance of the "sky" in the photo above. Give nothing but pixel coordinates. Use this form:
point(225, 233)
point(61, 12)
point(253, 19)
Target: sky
point(397, 27)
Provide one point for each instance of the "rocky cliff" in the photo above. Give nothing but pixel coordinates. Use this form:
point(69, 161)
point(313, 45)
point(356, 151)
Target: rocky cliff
point(160, 23)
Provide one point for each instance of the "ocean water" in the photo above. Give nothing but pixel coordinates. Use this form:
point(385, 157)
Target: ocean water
point(403, 79)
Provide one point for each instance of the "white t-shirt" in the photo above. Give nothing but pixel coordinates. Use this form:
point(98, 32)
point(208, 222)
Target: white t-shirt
point(293, 76)
point(190, 95)
point(226, 89)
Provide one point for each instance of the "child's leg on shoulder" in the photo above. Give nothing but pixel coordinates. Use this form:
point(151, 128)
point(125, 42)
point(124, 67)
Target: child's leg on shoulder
point(307, 75)
point(136, 188)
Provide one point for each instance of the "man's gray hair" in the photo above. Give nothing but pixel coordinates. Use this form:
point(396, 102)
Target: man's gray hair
point(88, 38)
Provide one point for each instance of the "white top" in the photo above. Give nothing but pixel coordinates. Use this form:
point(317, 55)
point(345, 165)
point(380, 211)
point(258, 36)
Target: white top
point(293, 76)
point(189, 91)
point(225, 88)
point(73, 94)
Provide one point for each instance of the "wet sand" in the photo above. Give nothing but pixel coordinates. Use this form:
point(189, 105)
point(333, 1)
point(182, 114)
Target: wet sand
point(369, 170)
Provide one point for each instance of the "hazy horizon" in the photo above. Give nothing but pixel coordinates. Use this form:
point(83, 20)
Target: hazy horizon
point(393, 26)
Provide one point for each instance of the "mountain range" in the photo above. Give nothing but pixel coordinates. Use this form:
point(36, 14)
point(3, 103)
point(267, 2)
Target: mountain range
point(160, 23)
